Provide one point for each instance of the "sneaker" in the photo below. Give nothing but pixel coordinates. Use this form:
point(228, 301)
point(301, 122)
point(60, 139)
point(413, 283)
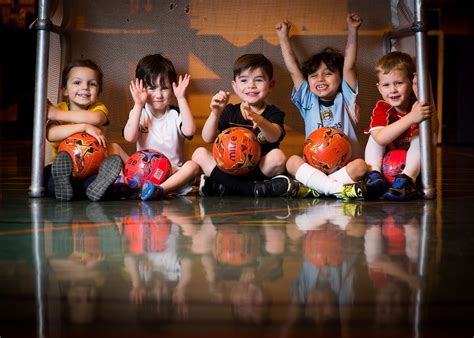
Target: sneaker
point(151, 191)
point(108, 171)
point(353, 191)
point(277, 186)
point(299, 190)
point(61, 170)
point(376, 185)
point(403, 189)
point(208, 187)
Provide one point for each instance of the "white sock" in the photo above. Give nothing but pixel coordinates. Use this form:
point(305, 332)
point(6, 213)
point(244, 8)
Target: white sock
point(317, 180)
point(374, 154)
point(342, 176)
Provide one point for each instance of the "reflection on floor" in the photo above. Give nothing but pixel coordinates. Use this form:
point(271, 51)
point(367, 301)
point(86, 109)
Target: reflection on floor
point(242, 267)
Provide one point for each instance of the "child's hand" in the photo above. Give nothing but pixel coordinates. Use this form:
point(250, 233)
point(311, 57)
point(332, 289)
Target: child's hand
point(138, 92)
point(219, 101)
point(97, 133)
point(353, 21)
point(252, 116)
point(420, 111)
point(180, 89)
point(283, 29)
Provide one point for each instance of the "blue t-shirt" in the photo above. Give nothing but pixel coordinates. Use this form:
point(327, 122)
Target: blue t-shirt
point(317, 114)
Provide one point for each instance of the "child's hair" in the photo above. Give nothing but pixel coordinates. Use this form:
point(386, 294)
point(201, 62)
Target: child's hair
point(153, 67)
point(82, 63)
point(251, 62)
point(396, 60)
point(332, 58)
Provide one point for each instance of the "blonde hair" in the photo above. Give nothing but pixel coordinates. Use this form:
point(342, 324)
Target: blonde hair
point(398, 61)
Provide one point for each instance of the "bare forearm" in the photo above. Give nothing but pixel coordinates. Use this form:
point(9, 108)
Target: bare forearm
point(96, 118)
point(388, 134)
point(189, 125)
point(61, 132)
point(271, 131)
point(350, 57)
point(291, 62)
point(210, 131)
point(130, 132)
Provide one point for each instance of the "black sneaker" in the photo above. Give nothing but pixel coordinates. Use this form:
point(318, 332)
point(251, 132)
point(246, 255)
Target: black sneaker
point(208, 187)
point(376, 185)
point(278, 186)
point(403, 189)
point(108, 171)
point(61, 170)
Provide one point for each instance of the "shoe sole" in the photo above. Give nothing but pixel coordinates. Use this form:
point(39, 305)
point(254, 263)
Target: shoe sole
point(61, 171)
point(108, 172)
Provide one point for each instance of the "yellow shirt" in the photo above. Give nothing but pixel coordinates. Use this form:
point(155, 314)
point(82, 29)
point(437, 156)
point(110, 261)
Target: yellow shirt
point(98, 106)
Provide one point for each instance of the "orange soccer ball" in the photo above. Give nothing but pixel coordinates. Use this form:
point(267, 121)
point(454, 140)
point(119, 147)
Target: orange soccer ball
point(327, 149)
point(236, 247)
point(326, 247)
point(86, 154)
point(236, 151)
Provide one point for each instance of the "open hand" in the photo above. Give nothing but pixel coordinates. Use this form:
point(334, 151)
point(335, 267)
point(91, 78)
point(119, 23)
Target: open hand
point(138, 91)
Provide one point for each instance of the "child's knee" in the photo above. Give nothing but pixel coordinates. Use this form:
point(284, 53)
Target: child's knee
point(357, 169)
point(277, 158)
point(194, 168)
point(293, 163)
point(199, 154)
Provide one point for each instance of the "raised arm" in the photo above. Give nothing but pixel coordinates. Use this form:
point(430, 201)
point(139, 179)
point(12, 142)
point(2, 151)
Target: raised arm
point(349, 72)
point(139, 95)
point(291, 62)
point(218, 103)
point(189, 125)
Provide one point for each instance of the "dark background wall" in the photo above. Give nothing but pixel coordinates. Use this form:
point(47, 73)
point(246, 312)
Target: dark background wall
point(453, 17)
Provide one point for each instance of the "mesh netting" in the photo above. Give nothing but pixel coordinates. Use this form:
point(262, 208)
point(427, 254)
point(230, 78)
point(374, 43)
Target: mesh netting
point(203, 38)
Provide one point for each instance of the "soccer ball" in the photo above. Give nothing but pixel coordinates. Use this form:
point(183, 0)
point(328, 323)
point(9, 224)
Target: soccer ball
point(327, 149)
point(236, 151)
point(86, 154)
point(325, 247)
point(393, 164)
point(235, 247)
point(147, 165)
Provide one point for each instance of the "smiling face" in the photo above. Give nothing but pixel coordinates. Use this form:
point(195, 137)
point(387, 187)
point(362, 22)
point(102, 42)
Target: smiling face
point(253, 86)
point(324, 82)
point(82, 87)
point(395, 88)
point(159, 96)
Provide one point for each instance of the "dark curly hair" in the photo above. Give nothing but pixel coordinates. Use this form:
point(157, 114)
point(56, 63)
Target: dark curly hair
point(331, 57)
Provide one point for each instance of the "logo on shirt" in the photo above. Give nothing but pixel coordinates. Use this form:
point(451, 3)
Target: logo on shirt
point(326, 116)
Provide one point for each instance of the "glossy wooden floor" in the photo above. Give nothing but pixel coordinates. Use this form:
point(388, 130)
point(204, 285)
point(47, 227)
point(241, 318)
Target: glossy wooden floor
point(237, 267)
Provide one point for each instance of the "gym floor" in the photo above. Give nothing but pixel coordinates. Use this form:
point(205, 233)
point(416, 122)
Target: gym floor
point(240, 267)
